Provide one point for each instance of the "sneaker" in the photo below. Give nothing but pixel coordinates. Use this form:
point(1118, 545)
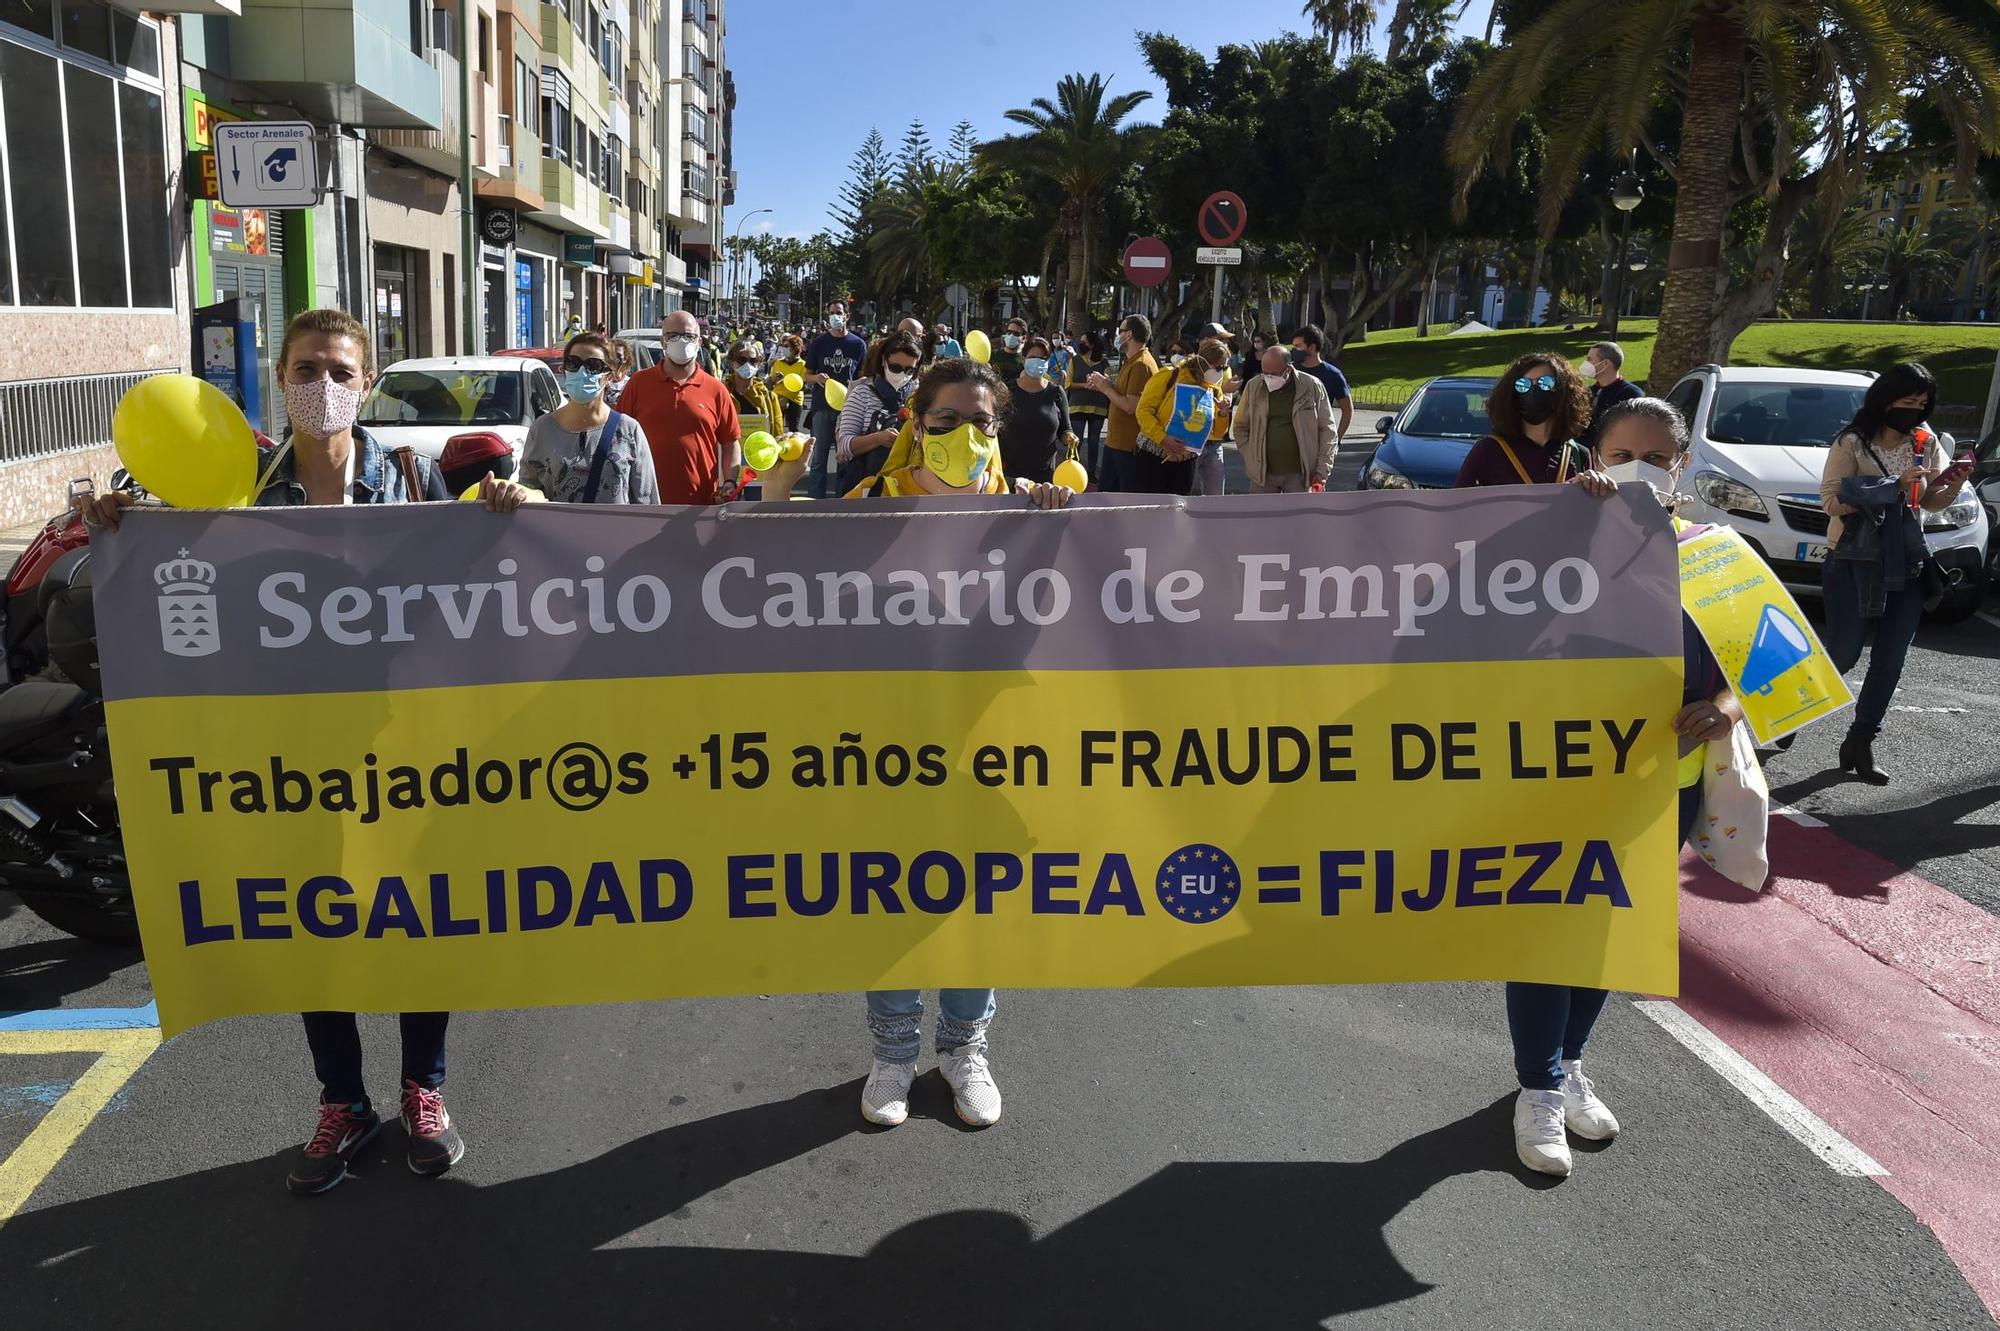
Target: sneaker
point(886, 1097)
point(343, 1130)
point(1538, 1132)
point(1588, 1117)
point(972, 1090)
point(435, 1145)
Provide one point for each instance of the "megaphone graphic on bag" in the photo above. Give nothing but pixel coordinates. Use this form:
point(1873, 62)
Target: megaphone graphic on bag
point(1779, 644)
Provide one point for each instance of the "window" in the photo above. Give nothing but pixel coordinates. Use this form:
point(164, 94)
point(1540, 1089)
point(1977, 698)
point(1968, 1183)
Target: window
point(83, 161)
point(695, 11)
point(594, 30)
point(1945, 187)
point(694, 124)
point(690, 62)
point(596, 160)
point(1917, 192)
point(614, 167)
point(526, 98)
point(486, 48)
point(694, 179)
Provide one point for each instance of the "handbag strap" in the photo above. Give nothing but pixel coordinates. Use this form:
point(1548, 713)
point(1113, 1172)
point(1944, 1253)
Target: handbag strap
point(1508, 449)
point(413, 486)
point(605, 439)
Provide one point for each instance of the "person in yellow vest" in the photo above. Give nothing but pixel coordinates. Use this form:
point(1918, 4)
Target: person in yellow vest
point(1641, 440)
point(757, 403)
point(1165, 466)
point(788, 356)
point(1208, 469)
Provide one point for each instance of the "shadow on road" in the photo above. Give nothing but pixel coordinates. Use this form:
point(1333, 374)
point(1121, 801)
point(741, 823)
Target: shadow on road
point(1277, 1245)
point(41, 974)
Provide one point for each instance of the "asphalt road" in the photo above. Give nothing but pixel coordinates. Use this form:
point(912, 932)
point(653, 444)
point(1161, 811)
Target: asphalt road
point(1255, 1158)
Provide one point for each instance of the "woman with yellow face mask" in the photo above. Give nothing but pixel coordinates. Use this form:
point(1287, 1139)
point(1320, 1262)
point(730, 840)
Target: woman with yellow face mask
point(949, 445)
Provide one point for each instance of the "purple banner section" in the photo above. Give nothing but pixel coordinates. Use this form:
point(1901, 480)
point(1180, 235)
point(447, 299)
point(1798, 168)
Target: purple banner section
point(305, 600)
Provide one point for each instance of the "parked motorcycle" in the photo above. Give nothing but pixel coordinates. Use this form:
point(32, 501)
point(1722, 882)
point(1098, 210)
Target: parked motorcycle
point(60, 846)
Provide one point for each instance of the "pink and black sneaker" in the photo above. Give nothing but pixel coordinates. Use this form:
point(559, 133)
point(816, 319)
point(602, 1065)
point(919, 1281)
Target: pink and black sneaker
point(343, 1130)
point(435, 1145)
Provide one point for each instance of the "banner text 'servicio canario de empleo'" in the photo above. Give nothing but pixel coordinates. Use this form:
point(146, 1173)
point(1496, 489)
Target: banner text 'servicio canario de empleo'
point(430, 757)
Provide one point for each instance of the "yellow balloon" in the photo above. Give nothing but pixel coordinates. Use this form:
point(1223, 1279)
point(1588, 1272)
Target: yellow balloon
point(836, 393)
point(792, 383)
point(184, 440)
point(1070, 472)
point(471, 494)
point(760, 450)
point(792, 447)
point(979, 346)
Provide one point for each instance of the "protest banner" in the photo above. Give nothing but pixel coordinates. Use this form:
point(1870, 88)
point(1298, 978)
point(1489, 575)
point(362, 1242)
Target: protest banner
point(1768, 652)
point(430, 757)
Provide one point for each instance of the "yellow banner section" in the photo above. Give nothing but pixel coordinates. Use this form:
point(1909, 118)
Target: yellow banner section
point(1773, 660)
point(523, 845)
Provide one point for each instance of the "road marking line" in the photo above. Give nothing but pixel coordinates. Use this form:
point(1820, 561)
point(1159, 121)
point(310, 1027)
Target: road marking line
point(1799, 816)
point(121, 1052)
point(1813, 1132)
point(82, 1018)
point(1954, 711)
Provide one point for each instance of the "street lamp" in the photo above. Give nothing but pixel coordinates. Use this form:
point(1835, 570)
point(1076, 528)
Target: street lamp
point(1626, 194)
point(735, 279)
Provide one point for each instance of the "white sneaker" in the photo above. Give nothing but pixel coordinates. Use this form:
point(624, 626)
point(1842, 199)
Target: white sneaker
point(1588, 1117)
point(1538, 1132)
point(972, 1088)
point(886, 1097)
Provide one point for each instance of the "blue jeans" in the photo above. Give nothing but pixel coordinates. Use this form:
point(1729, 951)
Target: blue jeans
point(1208, 470)
point(1114, 476)
point(824, 421)
point(335, 1041)
point(896, 1018)
point(1551, 1022)
point(1089, 431)
point(1846, 630)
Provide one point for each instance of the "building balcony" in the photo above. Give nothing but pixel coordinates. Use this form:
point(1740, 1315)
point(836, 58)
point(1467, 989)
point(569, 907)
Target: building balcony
point(347, 62)
point(518, 183)
point(211, 8)
point(693, 34)
point(558, 38)
point(438, 148)
point(570, 202)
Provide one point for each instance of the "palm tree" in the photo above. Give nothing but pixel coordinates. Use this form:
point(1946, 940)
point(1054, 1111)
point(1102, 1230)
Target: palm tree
point(1754, 77)
point(1348, 22)
point(1080, 145)
point(1915, 260)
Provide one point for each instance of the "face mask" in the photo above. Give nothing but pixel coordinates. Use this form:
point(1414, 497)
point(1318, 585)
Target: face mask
point(1659, 478)
point(959, 458)
point(746, 371)
point(1298, 357)
point(581, 386)
point(896, 378)
point(1211, 376)
point(1012, 340)
point(322, 408)
point(1536, 405)
point(1274, 381)
point(836, 323)
point(1903, 419)
point(1035, 367)
point(1175, 360)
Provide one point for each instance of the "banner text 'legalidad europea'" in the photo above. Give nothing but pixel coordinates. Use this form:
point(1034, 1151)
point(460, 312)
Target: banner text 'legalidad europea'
point(430, 757)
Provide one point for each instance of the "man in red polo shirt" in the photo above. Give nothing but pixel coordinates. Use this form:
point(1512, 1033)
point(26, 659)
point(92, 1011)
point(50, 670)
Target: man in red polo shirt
point(688, 416)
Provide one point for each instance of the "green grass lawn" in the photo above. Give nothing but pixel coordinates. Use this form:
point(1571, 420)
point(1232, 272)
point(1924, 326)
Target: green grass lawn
point(1389, 366)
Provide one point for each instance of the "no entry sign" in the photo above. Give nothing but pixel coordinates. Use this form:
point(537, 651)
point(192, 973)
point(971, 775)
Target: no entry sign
point(1222, 218)
point(1148, 262)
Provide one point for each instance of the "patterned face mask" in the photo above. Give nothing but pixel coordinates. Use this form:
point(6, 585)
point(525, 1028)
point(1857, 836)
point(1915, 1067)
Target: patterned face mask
point(320, 408)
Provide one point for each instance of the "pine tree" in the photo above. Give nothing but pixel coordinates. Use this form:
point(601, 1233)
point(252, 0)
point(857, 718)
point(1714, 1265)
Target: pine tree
point(853, 212)
point(964, 142)
point(914, 158)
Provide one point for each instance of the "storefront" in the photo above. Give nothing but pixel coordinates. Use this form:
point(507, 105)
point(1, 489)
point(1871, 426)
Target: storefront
point(265, 257)
point(537, 260)
point(398, 292)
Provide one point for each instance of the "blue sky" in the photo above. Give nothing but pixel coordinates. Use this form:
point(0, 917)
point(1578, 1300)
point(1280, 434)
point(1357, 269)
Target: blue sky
point(813, 75)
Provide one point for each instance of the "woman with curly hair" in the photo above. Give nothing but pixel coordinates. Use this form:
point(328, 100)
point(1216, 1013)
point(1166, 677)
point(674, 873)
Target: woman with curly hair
point(1537, 409)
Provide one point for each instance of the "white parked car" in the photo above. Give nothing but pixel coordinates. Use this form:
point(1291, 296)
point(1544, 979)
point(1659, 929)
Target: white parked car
point(1760, 441)
point(425, 404)
point(645, 345)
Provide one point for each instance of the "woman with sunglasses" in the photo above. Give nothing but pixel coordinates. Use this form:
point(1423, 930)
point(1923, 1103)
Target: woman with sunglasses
point(583, 452)
point(757, 404)
point(1537, 409)
point(874, 410)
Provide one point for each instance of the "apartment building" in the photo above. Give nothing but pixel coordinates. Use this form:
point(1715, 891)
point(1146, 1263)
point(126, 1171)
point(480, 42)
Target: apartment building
point(699, 182)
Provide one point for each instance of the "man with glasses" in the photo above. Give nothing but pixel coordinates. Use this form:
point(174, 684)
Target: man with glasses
point(834, 354)
point(688, 416)
point(583, 452)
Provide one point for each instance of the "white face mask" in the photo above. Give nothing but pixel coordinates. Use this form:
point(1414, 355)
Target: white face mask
point(1659, 478)
point(321, 408)
point(680, 353)
point(836, 323)
point(1274, 381)
point(896, 378)
point(1211, 376)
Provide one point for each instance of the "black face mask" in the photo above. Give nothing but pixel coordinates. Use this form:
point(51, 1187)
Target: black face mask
point(1903, 419)
point(1536, 405)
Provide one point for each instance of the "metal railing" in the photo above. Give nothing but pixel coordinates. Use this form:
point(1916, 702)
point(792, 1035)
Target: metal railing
point(41, 418)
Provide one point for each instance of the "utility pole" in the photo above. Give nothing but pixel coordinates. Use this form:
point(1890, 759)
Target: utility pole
point(468, 237)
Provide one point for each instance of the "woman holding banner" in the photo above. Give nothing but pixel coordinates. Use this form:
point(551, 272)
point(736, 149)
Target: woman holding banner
point(324, 366)
point(1537, 408)
point(950, 445)
point(1641, 440)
